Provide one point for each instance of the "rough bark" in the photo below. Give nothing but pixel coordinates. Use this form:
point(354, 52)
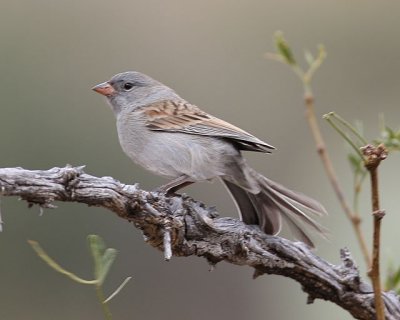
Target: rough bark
point(181, 226)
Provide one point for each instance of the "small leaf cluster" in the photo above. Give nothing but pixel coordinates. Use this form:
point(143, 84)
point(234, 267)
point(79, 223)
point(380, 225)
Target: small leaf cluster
point(390, 138)
point(285, 54)
point(103, 259)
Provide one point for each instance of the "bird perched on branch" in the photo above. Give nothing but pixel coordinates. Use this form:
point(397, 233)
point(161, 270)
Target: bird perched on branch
point(173, 138)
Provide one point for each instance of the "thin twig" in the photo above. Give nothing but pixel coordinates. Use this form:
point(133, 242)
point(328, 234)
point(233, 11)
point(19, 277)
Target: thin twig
point(327, 117)
point(374, 156)
point(357, 219)
point(347, 125)
point(104, 304)
point(285, 54)
point(375, 270)
point(323, 153)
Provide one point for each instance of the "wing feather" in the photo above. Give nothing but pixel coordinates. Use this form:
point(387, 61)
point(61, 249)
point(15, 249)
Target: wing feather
point(180, 116)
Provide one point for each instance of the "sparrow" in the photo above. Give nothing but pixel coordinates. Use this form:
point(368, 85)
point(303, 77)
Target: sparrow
point(165, 134)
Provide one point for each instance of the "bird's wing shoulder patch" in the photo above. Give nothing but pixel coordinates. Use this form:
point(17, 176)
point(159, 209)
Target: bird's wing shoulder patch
point(171, 115)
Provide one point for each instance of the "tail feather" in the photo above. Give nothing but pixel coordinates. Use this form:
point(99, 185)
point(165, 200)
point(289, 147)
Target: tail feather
point(246, 207)
point(292, 210)
point(268, 213)
point(252, 211)
point(298, 232)
point(306, 202)
point(273, 202)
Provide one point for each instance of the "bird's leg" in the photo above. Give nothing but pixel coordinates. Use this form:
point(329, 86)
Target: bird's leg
point(175, 185)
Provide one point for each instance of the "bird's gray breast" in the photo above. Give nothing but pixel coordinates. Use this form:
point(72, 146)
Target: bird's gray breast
point(172, 154)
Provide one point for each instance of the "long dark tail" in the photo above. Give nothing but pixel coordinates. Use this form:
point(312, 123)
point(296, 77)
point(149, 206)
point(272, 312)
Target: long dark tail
point(274, 201)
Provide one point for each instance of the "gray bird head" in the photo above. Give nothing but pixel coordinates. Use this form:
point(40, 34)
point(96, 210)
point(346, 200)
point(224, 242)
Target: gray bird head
point(133, 89)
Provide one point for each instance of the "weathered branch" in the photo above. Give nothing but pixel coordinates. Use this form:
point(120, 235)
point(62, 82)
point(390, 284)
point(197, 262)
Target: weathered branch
point(185, 227)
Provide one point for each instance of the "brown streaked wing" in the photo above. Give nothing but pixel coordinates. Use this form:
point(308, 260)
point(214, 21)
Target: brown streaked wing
point(180, 116)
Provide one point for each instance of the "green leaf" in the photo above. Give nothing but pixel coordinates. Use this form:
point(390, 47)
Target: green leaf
point(97, 248)
point(321, 53)
point(390, 133)
point(54, 265)
point(390, 138)
point(309, 57)
point(106, 262)
point(283, 48)
point(103, 258)
point(121, 286)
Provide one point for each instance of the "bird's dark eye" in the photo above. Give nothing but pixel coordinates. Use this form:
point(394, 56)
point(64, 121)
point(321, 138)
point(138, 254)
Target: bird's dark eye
point(128, 86)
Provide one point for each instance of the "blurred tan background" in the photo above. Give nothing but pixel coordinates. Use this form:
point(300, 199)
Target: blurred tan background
point(211, 52)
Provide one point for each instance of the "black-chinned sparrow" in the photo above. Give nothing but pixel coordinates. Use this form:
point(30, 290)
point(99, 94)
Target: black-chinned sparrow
point(167, 135)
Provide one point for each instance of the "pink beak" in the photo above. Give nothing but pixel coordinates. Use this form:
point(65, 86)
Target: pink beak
point(104, 88)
